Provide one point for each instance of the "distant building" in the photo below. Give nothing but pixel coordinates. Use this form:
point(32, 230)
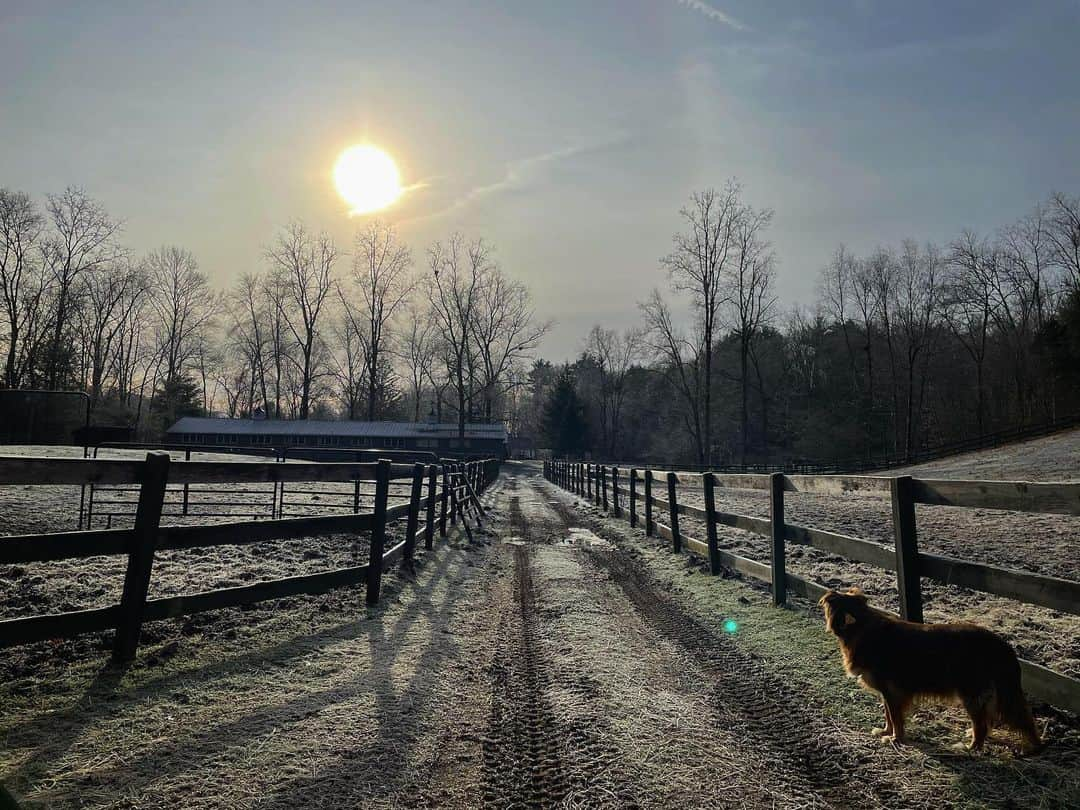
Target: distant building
point(440, 438)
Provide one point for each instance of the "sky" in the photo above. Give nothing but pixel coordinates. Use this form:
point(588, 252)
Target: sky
point(567, 134)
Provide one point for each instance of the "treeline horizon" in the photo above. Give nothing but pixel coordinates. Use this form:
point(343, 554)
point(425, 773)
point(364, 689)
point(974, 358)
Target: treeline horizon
point(906, 347)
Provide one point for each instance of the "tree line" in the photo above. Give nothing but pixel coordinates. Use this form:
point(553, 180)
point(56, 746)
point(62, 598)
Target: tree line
point(316, 332)
point(905, 347)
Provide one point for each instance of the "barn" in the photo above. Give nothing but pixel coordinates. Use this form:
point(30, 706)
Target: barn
point(302, 434)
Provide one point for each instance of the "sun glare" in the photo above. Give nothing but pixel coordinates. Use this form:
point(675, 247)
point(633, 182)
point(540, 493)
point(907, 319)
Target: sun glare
point(367, 179)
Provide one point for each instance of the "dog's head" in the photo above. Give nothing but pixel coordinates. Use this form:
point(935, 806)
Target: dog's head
point(845, 611)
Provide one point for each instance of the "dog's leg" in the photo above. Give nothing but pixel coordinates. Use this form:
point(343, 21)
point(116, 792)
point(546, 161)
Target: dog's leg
point(888, 729)
point(980, 725)
point(897, 708)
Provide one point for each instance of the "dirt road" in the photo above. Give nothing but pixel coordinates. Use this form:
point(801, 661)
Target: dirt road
point(545, 664)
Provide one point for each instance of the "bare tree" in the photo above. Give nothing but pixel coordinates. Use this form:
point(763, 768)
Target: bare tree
point(349, 366)
point(82, 239)
point(458, 270)
point(835, 291)
point(303, 265)
point(698, 266)
point(381, 285)
point(1064, 233)
point(969, 306)
point(184, 304)
point(21, 281)
point(418, 351)
point(505, 332)
point(614, 355)
point(682, 363)
point(918, 305)
point(749, 277)
point(247, 337)
point(112, 296)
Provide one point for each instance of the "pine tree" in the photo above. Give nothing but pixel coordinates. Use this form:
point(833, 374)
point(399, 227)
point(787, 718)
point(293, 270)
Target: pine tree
point(565, 426)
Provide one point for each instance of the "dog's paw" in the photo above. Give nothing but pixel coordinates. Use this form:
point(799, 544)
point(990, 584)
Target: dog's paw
point(878, 731)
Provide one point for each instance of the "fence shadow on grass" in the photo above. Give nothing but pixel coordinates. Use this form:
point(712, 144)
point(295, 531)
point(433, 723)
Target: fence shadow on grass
point(56, 733)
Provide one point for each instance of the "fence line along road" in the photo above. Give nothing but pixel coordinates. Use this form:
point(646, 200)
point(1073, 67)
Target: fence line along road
point(438, 494)
point(594, 481)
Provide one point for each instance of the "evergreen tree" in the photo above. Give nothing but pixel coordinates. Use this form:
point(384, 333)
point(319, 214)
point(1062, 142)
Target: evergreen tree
point(565, 425)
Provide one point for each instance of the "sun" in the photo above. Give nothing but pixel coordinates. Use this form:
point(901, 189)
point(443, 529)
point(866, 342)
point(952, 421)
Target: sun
point(367, 179)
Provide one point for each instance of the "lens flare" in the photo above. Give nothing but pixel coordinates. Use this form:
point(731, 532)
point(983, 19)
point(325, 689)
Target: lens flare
point(731, 626)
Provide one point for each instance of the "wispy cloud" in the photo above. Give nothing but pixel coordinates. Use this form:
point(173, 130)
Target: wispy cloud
point(520, 173)
point(713, 13)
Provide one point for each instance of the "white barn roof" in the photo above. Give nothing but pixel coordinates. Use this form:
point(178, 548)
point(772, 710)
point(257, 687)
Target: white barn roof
point(316, 427)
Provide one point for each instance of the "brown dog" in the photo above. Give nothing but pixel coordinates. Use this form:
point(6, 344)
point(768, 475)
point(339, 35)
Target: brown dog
point(904, 661)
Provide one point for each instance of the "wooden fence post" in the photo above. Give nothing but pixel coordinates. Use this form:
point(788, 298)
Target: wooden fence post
point(429, 515)
point(144, 540)
point(413, 521)
point(648, 503)
point(378, 531)
point(588, 481)
point(444, 499)
point(776, 518)
point(603, 486)
point(633, 497)
point(187, 457)
point(673, 509)
point(907, 549)
point(615, 509)
point(708, 485)
point(580, 489)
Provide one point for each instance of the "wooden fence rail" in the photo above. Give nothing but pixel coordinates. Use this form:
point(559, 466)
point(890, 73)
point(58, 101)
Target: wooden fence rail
point(459, 499)
point(904, 558)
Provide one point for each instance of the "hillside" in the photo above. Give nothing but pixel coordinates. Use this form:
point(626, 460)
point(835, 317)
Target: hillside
point(1050, 458)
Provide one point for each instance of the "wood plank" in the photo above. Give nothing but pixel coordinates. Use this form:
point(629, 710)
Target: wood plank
point(744, 565)
point(245, 532)
point(173, 606)
point(57, 625)
point(745, 522)
point(23, 548)
point(691, 479)
point(853, 548)
point(837, 484)
point(807, 589)
point(1015, 496)
point(394, 554)
point(742, 481)
point(247, 472)
point(60, 471)
point(1049, 686)
point(1035, 589)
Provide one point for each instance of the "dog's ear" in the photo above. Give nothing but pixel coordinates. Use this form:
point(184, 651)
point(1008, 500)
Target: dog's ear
point(828, 597)
point(857, 593)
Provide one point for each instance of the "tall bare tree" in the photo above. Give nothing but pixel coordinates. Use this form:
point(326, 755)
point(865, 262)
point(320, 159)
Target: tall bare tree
point(505, 332)
point(698, 266)
point(614, 354)
point(184, 305)
point(458, 271)
point(112, 296)
point(418, 350)
point(82, 239)
point(748, 278)
point(381, 285)
point(969, 306)
point(22, 282)
point(303, 264)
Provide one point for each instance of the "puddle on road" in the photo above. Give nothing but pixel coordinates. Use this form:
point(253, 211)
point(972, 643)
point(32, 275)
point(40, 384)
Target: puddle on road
point(580, 536)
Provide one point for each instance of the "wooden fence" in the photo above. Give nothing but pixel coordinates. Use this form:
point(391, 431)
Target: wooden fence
point(436, 495)
point(605, 487)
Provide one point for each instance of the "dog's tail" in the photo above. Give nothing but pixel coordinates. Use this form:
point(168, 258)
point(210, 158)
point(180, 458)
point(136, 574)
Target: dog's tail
point(1013, 708)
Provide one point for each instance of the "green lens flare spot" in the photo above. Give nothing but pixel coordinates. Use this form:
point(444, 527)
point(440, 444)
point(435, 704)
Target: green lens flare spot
point(731, 626)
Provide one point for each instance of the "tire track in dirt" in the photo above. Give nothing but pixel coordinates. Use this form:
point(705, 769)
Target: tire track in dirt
point(531, 757)
point(799, 747)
